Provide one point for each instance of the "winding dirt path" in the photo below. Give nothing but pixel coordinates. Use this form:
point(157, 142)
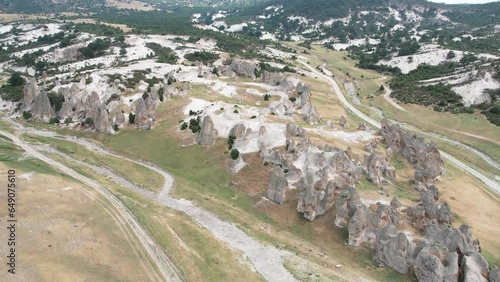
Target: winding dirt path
point(267, 260)
point(167, 268)
point(387, 97)
point(492, 184)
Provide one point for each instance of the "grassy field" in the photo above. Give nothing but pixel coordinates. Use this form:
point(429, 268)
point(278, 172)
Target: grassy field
point(64, 227)
point(199, 256)
point(137, 174)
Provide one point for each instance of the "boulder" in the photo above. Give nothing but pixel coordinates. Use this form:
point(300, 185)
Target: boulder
point(459, 240)
point(394, 250)
point(315, 198)
point(343, 122)
point(238, 130)
point(495, 274)
point(347, 201)
point(208, 133)
point(434, 265)
point(278, 185)
point(474, 268)
point(378, 169)
point(365, 224)
point(311, 116)
point(295, 130)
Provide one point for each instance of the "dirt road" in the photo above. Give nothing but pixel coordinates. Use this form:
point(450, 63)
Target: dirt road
point(167, 268)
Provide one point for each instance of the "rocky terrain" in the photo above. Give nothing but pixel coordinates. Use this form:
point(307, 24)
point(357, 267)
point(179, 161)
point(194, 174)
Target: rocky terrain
point(274, 122)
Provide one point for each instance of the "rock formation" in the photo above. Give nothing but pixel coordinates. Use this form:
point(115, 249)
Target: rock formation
point(238, 130)
point(429, 208)
point(425, 157)
point(434, 264)
point(240, 68)
point(295, 130)
point(365, 224)
point(347, 201)
point(315, 198)
point(394, 250)
point(378, 169)
point(208, 133)
point(278, 185)
point(475, 267)
point(42, 110)
point(343, 122)
point(30, 91)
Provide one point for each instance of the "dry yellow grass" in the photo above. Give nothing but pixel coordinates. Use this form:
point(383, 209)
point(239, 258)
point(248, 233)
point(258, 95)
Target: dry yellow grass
point(66, 233)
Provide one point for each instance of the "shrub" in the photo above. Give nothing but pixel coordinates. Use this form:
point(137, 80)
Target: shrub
point(89, 121)
point(67, 120)
point(115, 127)
point(293, 99)
point(235, 111)
point(54, 120)
point(27, 115)
point(235, 154)
point(184, 125)
point(266, 97)
point(131, 118)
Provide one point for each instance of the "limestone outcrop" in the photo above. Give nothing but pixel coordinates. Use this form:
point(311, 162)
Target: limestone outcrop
point(315, 198)
point(378, 169)
point(208, 133)
point(41, 109)
point(425, 157)
point(347, 201)
point(434, 264)
point(278, 185)
point(295, 130)
point(394, 249)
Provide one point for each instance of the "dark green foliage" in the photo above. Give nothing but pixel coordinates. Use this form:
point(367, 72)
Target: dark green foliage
point(89, 121)
point(203, 56)
point(98, 29)
point(194, 125)
point(16, 80)
point(236, 111)
point(96, 48)
point(56, 100)
point(67, 120)
point(266, 97)
point(408, 48)
point(184, 125)
point(27, 115)
point(293, 99)
point(235, 154)
point(54, 120)
point(450, 55)
point(253, 117)
point(382, 88)
point(13, 90)
point(406, 89)
point(165, 55)
point(230, 141)
point(131, 118)
point(116, 127)
point(161, 93)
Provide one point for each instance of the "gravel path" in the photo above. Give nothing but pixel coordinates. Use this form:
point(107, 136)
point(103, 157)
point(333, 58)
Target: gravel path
point(167, 268)
point(267, 260)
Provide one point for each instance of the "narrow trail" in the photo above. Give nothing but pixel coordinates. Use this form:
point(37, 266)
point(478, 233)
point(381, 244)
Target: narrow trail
point(387, 97)
point(267, 260)
point(492, 184)
point(167, 268)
